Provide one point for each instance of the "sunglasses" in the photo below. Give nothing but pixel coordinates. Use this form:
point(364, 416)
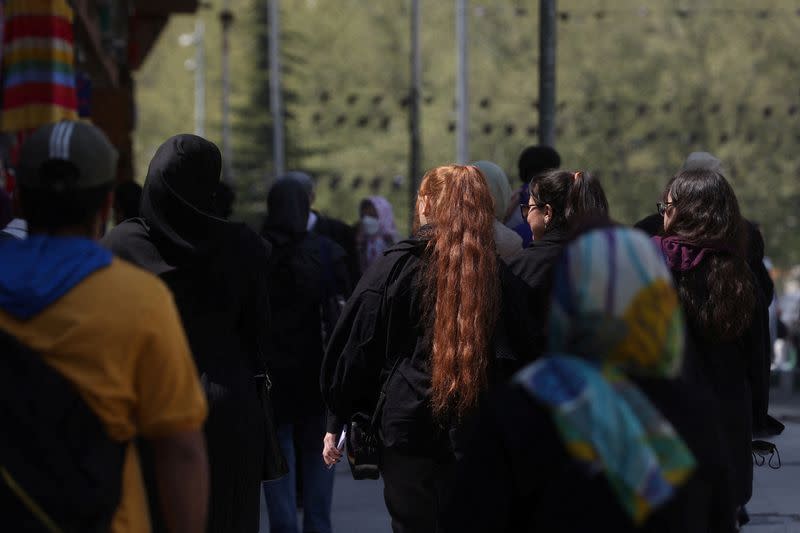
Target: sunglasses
point(766, 452)
point(524, 209)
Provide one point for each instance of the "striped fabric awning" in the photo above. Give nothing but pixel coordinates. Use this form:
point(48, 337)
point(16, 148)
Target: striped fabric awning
point(38, 76)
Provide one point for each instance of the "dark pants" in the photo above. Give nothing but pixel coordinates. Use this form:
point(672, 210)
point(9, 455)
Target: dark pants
point(415, 489)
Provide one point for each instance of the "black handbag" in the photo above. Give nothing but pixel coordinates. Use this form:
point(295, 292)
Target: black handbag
point(364, 440)
point(275, 465)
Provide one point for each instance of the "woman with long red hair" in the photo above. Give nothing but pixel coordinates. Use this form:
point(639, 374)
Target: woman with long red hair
point(429, 329)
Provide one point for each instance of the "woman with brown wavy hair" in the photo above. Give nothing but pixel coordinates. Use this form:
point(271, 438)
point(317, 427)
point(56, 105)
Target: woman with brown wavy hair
point(704, 245)
point(429, 329)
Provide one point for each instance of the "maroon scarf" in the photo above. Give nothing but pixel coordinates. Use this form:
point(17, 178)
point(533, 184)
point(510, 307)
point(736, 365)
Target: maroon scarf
point(682, 256)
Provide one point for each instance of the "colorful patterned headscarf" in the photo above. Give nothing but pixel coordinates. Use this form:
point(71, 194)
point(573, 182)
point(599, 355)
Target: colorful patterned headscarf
point(614, 314)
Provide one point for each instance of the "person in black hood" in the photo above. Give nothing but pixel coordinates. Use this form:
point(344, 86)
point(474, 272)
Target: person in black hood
point(217, 272)
point(307, 272)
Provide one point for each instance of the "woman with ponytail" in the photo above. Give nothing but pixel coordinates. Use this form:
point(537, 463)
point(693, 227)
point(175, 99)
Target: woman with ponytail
point(426, 331)
point(704, 245)
point(558, 201)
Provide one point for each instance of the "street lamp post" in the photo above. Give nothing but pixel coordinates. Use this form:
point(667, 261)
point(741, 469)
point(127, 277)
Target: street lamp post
point(415, 147)
point(198, 65)
point(276, 103)
point(547, 72)
point(462, 83)
point(226, 19)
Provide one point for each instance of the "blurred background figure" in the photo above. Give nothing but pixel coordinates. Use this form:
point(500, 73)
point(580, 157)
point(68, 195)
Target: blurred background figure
point(332, 228)
point(375, 231)
point(654, 225)
point(789, 317)
point(218, 274)
point(5, 209)
point(705, 246)
point(600, 430)
point(533, 161)
point(127, 197)
point(11, 226)
point(306, 272)
point(507, 240)
point(224, 199)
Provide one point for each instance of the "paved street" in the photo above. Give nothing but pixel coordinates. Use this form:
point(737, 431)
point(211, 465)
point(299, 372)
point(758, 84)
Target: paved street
point(357, 506)
point(775, 508)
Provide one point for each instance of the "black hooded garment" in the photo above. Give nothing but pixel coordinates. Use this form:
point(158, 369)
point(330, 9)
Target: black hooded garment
point(305, 269)
point(217, 272)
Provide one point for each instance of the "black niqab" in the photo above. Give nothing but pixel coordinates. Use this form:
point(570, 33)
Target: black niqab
point(178, 197)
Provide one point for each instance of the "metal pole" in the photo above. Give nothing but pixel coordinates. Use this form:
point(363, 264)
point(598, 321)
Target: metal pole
point(200, 78)
point(226, 18)
point(276, 104)
point(462, 83)
point(415, 148)
point(547, 72)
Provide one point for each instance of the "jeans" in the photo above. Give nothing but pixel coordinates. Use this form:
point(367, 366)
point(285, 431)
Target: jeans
point(280, 494)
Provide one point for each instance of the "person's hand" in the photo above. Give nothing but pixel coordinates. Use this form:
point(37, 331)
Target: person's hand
point(330, 453)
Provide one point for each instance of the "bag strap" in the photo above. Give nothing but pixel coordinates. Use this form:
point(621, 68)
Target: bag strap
point(394, 273)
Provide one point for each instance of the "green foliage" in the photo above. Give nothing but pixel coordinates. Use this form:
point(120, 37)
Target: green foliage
point(639, 86)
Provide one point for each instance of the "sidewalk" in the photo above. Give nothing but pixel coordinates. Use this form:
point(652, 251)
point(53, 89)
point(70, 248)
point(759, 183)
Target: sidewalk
point(357, 506)
point(775, 506)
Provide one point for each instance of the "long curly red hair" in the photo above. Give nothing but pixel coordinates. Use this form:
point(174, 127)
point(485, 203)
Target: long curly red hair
point(462, 288)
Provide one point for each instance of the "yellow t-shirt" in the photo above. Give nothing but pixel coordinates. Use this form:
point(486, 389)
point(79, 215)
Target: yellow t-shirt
point(118, 338)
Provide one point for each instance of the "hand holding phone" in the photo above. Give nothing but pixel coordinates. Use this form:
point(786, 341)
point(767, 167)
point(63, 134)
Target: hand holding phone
point(332, 450)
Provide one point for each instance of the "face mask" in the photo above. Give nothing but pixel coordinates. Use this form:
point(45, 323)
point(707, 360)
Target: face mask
point(370, 225)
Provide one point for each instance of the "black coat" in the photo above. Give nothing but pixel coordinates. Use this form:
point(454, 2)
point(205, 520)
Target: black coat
point(761, 357)
point(217, 272)
point(734, 372)
point(533, 267)
point(381, 329)
point(297, 292)
point(223, 303)
point(517, 477)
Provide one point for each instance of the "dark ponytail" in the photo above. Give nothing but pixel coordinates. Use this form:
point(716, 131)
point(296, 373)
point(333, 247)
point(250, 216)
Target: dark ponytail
point(573, 196)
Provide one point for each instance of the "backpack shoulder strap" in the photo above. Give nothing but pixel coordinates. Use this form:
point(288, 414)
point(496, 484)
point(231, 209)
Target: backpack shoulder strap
point(50, 433)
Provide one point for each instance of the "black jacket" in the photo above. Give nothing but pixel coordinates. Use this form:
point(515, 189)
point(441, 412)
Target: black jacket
point(517, 477)
point(297, 292)
point(382, 329)
point(533, 267)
